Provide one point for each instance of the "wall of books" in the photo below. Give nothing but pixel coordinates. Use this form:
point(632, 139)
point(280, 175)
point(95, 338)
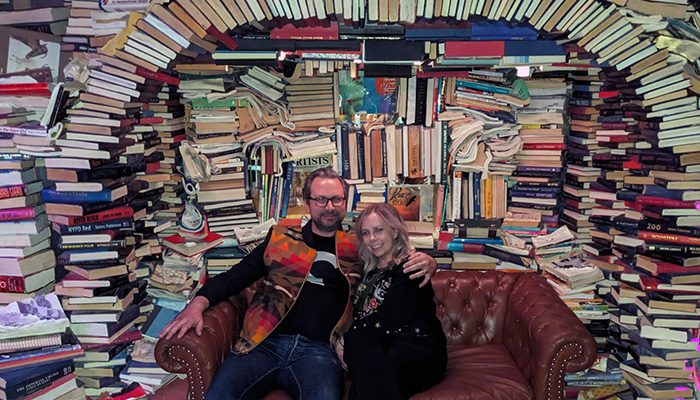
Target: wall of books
point(558, 137)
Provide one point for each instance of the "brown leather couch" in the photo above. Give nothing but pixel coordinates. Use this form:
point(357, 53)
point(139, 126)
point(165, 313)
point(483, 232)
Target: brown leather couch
point(509, 337)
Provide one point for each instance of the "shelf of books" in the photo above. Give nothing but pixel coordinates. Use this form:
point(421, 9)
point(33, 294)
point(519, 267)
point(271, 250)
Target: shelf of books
point(554, 137)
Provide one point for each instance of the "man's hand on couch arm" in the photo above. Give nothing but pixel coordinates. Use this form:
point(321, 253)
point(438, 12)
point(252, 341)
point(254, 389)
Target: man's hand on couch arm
point(200, 356)
point(190, 317)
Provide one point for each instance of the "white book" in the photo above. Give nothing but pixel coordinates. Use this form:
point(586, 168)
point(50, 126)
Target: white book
point(146, 40)
point(144, 56)
point(113, 79)
point(523, 6)
point(320, 14)
point(429, 8)
point(615, 32)
point(531, 9)
point(575, 9)
point(596, 19)
point(411, 101)
point(445, 11)
point(671, 69)
point(659, 84)
point(420, 8)
point(256, 9)
point(304, 8)
point(668, 89)
point(166, 30)
point(148, 50)
point(494, 9)
point(108, 93)
point(456, 194)
point(459, 12)
point(584, 17)
point(513, 9)
point(115, 88)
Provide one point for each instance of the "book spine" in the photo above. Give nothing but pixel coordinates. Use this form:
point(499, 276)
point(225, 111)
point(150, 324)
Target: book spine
point(107, 215)
point(8, 192)
point(113, 245)
point(38, 382)
point(17, 214)
point(53, 196)
point(385, 171)
point(444, 155)
point(126, 223)
point(11, 284)
point(669, 238)
point(288, 177)
point(361, 155)
point(477, 195)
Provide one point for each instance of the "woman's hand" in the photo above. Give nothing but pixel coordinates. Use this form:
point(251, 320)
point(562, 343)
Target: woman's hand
point(339, 349)
point(190, 317)
point(420, 265)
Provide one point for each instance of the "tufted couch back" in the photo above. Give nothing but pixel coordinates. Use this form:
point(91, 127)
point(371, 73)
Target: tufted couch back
point(472, 305)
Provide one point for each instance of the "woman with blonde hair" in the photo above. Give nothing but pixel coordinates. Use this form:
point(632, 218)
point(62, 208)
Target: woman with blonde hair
point(396, 346)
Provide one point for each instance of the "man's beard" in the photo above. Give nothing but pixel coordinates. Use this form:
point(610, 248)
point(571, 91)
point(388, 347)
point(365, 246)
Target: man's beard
point(332, 227)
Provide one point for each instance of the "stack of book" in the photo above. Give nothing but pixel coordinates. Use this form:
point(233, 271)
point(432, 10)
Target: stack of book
point(25, 249)
point(142, 367)
point(90, 25)
point(311, 101)
point(38, 351)
point(542, 133)
point(580, 172)
point(49, 16)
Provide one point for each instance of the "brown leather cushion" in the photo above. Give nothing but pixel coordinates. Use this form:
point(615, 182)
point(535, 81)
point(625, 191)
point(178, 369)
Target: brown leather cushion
point(480, 372)
point(485, 372)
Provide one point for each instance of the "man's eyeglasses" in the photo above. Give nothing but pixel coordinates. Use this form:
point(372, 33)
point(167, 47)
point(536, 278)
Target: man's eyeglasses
point(322, 201)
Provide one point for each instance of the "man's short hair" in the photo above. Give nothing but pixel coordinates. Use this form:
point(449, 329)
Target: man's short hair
point(325, 172)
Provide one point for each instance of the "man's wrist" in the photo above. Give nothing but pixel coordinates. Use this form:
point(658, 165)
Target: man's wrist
point(199, 302)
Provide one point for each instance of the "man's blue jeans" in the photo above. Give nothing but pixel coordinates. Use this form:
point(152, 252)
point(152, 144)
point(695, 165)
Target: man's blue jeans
point(306, 369)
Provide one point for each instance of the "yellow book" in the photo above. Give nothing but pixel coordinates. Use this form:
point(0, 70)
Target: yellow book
point(488, 197)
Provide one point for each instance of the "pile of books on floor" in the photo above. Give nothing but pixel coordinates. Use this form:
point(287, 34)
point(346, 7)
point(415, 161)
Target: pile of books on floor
point(91, 25)
point(141, 367)
point(581, 147)
point(28, 111)
point(50, 16)
point(535, 185)
point(467, 240)
point(38, 351)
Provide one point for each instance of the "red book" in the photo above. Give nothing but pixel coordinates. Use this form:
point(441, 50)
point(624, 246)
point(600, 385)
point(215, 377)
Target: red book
point(153, 167)
point(129, 336)
point(659, 237)
point(14, 214)
point(106, 215)
point(312, 32)
point(664, 202)
point(158, 76)
point(25, 89)
point(605, 94)
point(7, 192)
point(11, 284)
point(151, 120)
point(654, 285)
point(227, 40)
point(544, 146)
point(632, 164)
point(486, 48)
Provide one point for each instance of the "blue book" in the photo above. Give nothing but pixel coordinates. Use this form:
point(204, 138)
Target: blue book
point(495, 30)
point(288, 176)
point(53, 196)
point(482, 86)
point(477, 195)
point(477, 240)
point(157, 319)
point(533, 48)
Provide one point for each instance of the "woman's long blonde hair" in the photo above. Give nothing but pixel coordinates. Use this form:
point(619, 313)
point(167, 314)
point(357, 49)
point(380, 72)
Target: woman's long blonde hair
point(393, 220)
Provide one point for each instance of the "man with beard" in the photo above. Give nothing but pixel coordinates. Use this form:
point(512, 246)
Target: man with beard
point(301, 306)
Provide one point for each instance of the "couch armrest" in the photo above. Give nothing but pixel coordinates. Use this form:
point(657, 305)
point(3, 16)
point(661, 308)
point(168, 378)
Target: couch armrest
point(544, 337)
point(200, 356)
